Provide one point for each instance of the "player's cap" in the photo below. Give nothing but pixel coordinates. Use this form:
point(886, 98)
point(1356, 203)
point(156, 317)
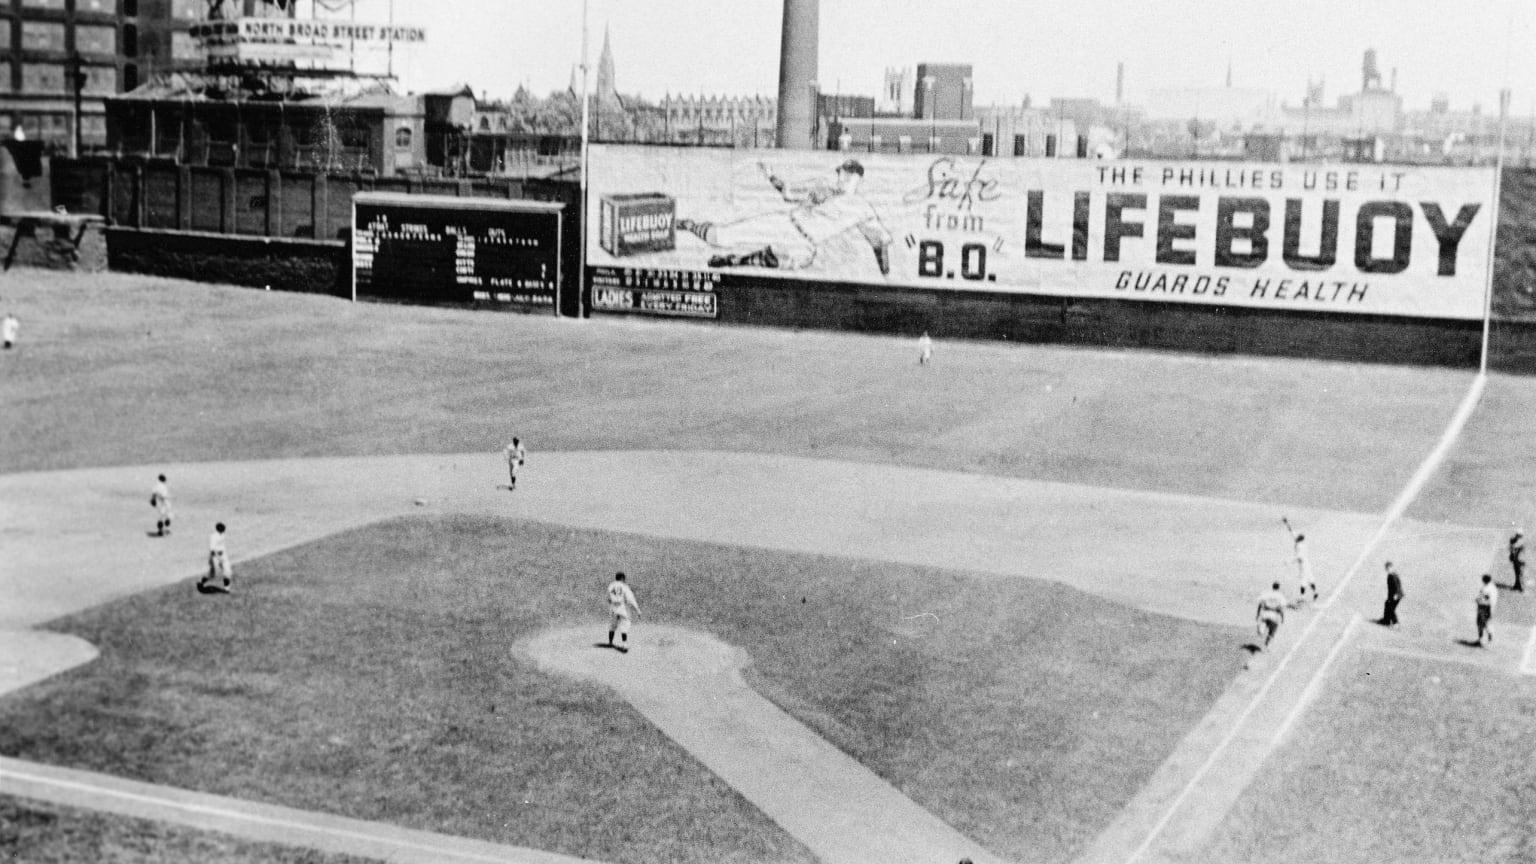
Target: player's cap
point(852, 166)
point(1519, 534)
point(619, 576)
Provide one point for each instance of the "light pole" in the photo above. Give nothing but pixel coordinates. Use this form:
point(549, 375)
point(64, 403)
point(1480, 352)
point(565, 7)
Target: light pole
point(581, 270)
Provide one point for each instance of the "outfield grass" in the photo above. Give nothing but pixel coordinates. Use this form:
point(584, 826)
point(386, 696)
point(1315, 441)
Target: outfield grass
point(118, 369)
point(1402, 760)
point(40, 833)
point(372, 675)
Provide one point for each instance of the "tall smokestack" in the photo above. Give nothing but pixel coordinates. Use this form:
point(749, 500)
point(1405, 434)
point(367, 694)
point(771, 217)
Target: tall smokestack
point(797, 75)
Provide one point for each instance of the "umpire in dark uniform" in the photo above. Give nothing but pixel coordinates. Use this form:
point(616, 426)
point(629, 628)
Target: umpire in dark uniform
point(1517, 559)
point(1394, 594)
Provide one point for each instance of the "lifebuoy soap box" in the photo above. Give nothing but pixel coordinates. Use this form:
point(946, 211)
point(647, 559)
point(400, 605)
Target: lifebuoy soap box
point(642, 222)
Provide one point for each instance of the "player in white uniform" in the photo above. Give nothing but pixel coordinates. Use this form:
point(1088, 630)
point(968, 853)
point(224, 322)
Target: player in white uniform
point(1487, 598)
point(924, 349)
point(791, 241)
point(515, 454)
point(1271, 612)
point(620, 601)
point(160, 499)
point(220, 573)
point(8, 329)
point(1304, 571)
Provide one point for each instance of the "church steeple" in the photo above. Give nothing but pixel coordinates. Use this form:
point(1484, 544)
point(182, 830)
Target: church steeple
point(607, 91)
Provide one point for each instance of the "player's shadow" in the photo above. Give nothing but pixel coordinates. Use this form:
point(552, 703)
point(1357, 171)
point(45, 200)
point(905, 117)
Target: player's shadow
point(1470, 643)
point(1253, 648)
point(506, 487)
point(209, 588)
point(155, 534)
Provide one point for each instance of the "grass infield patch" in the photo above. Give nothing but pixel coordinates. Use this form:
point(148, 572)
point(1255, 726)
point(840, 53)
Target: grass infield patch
point(41, 833)
point(372, 675)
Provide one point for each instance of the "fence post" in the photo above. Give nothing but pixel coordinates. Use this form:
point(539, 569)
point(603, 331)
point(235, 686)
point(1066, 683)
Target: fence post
point(183, 196)
point(274, 226)
point(227, 201)
point(320, 206)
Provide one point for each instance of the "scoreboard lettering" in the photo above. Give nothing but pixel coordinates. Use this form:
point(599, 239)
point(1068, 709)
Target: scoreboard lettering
point(442, 250)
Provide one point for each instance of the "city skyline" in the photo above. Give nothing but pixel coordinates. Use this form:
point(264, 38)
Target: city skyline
point(693, 47)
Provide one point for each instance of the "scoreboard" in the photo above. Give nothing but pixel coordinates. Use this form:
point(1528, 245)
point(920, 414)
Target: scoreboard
point(486, 253)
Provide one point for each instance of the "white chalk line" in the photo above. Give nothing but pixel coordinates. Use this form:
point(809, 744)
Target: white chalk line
point(1317, 679)
point(1399, 506)
point(164, 803)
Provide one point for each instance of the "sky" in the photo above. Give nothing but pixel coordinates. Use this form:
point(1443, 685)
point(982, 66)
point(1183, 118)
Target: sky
point(1064, 48)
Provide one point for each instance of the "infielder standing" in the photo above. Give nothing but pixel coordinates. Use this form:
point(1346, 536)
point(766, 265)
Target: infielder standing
point(620, 601)
point(791, 241)
point(1487, 598)
point(1304, 569)
point(1270, 613)
point(924, 349)
point(160, 499)
point(8, 329)
point(219, 569)
point(515, 455)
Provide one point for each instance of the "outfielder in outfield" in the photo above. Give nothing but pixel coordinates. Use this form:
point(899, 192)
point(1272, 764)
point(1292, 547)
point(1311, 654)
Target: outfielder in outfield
point(620, 600)
point(791, 240)
point(220, 573)
point(160, 499)
point(515, 455)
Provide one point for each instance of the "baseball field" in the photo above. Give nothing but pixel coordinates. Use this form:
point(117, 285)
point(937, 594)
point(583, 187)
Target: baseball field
point(1000, 606)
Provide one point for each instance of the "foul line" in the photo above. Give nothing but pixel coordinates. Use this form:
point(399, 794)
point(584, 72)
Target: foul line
point(167, 805)
point(1399, 506)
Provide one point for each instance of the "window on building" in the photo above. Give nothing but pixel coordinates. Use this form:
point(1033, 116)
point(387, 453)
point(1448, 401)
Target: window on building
point(108, 7)
point(93, 130)
point(43, 4)
point(130, 40)
point(187, 10)
point(403, 138)
point(42, 36)
point(100, 80)
point(5, 34)
point(5, 79)
point(1020, 145)
point(96, 40)
point(184, 47)
point(43, 78)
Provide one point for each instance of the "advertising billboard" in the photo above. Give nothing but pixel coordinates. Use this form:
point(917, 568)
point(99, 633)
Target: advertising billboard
point(1343, 238)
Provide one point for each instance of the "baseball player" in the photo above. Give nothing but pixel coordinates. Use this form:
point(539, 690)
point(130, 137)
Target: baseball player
point(791, 241)
point(1487, 598)
point(8, 329)
point(1517, 560)
point(220, 573)
point(1270, 613)
point(515, 455)
point(160, 499)
point(924, 349)
point(1304, 570)
point(620, 601)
